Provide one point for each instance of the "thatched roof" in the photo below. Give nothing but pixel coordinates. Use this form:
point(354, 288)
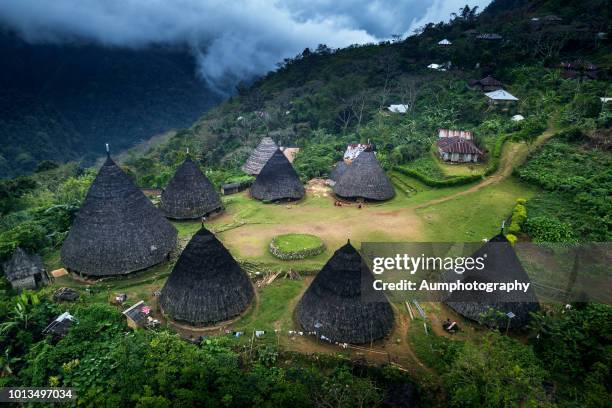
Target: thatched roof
point(364, 178)
point(342, 302)
point(277, 181)
point(501, 265)
point(23, 265)
point(338, 170)
point(260, 156)
point(206, 285)
point(117, 230)
point(189, 194)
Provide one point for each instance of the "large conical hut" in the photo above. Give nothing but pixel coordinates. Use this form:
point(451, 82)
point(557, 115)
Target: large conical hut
point(260, 156)
point(341, 303)
point(364, 179)
point(277, 181)
point(189, 194)
point(117, 230)
point(206, 285)
point(500, 309)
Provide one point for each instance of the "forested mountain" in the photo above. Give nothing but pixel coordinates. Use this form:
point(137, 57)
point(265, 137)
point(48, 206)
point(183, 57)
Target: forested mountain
point(62, 102)
point(547, 172)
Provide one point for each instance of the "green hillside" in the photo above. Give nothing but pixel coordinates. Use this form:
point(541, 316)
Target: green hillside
point(549, 177)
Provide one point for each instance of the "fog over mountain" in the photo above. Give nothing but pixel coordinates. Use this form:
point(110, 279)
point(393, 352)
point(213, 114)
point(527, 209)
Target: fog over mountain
point(230, 40)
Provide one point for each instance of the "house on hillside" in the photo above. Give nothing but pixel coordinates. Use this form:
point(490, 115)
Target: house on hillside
point(444, 43)
point(579, 69)
point(60, 326)
point(486, 84)
point(400, 108)
point(139, 316)
point(501, 97)
point(25, 271)
point(489, 37)
point(439, 67)
point(457, 146)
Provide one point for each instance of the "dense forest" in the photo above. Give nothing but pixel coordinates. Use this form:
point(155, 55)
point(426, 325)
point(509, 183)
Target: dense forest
point(320, 100)
point(63, 102)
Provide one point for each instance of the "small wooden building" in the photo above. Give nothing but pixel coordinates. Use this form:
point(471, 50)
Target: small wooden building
point(137, 315)
point(457, 146)
point(25, 271)
point(233, 188)
point(60, 326)
point(579, 69)
point(486, 84)
point(501, 97)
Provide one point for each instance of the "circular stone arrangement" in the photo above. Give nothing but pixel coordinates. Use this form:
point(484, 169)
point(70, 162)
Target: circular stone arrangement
point(296, 246)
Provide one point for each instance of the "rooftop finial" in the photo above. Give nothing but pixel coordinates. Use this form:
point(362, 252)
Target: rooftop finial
point(107, 150)
point(348, 241)
point(503, 226)
point(187, 151)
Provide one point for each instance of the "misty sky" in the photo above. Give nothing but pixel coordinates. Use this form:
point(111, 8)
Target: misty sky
point(230, 39)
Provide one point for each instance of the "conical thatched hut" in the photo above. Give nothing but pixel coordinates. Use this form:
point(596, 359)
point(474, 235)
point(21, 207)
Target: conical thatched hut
point(260, 156)
point(341, 304)
point(206, 285)
point(117, 230)
point(25, 271)
point(189, 194)
point(364, 179)
point(501, 265)
point(277, 181)
point(337, 171)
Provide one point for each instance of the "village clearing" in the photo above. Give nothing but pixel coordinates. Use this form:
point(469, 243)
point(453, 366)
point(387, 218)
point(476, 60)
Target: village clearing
point(462, 213)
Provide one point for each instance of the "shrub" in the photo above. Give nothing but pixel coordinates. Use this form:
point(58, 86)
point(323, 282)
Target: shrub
point(548, 229)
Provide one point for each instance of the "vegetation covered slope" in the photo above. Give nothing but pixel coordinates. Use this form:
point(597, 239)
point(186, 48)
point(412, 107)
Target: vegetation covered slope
point(321, 100)
point(63, 102)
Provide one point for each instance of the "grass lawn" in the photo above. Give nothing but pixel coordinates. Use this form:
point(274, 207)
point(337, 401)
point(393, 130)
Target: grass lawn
point(472, 217)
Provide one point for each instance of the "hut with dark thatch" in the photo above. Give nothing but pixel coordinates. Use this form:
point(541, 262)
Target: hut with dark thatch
point(25, 271)
point(277, 181)
point(342, 305)
point(260, 156)
point(364, 179)
point(206, 285)
point(337, 171)
point(500, 309)
point(189, 194)
point(117, 230)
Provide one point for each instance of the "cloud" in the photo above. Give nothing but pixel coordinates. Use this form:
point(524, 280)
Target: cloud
point(231, 40)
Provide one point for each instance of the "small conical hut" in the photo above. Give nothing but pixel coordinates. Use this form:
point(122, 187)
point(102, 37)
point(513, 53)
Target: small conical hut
point(189, 194)
point(341, 303)
point(501, 264)
point(260, 156)
point(364, 179)
point(278, 180)
point(117, 230)
point(25, 271)
point(206, 285)
point(337, 171)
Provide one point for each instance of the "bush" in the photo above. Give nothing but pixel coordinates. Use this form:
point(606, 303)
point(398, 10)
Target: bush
point(519, 216)
point(548, 229)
